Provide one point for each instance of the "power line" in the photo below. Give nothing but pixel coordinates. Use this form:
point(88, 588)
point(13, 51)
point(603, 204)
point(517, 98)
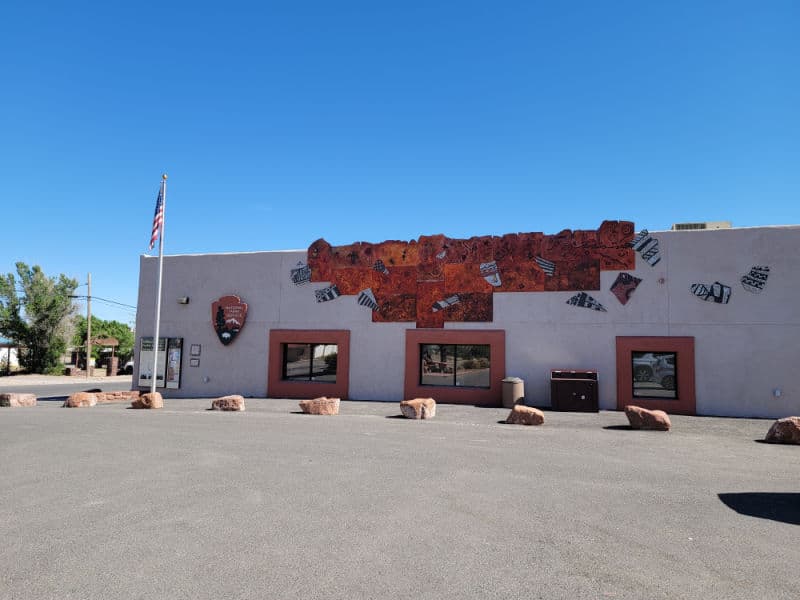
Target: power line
point(113, 302)
point(106, 300)
point(132, 308)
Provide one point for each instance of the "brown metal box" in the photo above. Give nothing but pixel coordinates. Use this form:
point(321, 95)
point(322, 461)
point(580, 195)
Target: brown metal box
point(574, 391)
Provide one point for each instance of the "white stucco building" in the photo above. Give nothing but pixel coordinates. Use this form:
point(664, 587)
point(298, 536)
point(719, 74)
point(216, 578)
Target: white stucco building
point(730, 348)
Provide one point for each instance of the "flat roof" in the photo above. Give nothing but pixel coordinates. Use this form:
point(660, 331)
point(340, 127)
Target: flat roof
point(722, 231)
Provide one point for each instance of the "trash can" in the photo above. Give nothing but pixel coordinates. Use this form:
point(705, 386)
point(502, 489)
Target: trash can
point(513, 391)
point(574, 391)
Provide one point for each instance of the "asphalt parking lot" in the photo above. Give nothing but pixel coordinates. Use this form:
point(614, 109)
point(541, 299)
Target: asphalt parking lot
point(109, 502)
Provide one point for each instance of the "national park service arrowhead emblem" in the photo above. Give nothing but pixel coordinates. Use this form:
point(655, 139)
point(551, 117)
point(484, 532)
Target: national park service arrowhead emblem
point(228, 315)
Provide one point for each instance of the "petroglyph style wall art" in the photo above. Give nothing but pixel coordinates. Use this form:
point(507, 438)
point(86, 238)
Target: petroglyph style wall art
point(446, 303)
point(756, 279)
point(491, 273)
point(647, 246)
point(624, 286)
point(327, 294)
point(380, 267)
point(301, 274)
point(367, 298)
point(547, 266)
point(586, 301)
point(715, 292)
point(414, 281)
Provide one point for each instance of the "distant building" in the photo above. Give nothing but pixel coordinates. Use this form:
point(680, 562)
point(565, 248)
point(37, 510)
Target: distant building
point(9, 360)
point(694, 322)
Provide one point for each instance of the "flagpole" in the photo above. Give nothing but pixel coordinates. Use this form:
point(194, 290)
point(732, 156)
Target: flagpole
point(154, 376)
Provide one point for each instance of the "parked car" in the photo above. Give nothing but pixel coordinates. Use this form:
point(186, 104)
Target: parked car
point(664, 372)
point(656, 368)
point(643, 367)
point(127, 368)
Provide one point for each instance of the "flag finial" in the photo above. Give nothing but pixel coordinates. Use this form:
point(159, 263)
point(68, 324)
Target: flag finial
point(164, 177)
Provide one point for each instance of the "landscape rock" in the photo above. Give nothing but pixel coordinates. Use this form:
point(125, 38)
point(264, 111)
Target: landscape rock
point(642, 418)
point(16, 400)
point(525, 415)
point(320, 406)
point(418, 408)
point(153, 400)
point(234, 402)
point(784, 431)
point(80, 400)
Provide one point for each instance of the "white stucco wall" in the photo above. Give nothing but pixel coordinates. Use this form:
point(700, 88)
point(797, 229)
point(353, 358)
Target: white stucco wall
point(743, 350)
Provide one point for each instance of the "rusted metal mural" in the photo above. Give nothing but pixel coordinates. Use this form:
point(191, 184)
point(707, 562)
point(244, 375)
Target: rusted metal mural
point(436, 278)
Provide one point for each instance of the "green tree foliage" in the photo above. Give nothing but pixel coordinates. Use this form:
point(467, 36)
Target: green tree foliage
point(34, 313)
point(105, 329)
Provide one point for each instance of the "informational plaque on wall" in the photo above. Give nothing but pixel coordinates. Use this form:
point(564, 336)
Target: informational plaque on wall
point(174, 347)
point(146, 362)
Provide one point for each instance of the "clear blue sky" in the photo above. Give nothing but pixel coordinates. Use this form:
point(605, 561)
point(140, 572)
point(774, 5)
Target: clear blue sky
point(282, 122)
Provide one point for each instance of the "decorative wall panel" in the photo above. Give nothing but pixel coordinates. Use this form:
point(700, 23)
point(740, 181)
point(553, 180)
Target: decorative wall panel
point(624, 286)
point(301, 274)
point(436, 279)
point(712, 292)
point(647, 246)
point(756, 279)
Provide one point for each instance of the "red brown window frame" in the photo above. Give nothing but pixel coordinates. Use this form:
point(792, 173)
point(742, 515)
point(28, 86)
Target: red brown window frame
point(277, 387)
point(683, 347)
point(494, 338)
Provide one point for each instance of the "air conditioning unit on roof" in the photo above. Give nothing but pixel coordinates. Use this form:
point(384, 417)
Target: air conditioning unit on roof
point(699, 226)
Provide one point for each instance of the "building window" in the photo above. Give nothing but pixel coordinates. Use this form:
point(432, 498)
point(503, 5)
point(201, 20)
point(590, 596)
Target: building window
point(306, 363)
point(656, 372)
point(459, 365)
point(310, 362)
point(465, 379)
point(654, 375)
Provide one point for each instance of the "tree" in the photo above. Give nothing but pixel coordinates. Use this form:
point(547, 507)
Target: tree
point(102, 329)
point(34, 313)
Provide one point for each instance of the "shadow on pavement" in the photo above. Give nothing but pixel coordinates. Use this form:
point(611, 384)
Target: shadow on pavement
point(619, 427)
point(776, 506)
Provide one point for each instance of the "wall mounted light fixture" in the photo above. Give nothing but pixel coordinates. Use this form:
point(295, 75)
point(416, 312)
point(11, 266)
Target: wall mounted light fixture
point(183, 300)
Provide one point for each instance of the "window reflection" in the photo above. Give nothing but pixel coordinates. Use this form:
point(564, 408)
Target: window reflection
point(654, 375)
point(310, 362)
point(455, 365)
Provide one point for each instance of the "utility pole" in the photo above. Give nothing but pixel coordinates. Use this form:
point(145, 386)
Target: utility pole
point(88, 326)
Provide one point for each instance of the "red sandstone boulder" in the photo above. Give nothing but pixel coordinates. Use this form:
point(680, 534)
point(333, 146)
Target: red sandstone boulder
point(15, 400)
point(234, 402)
point(525, 415)
point(784, 431)
point(642, 418)
point(80, 400)
point(153, 400)
point(418, 408)
point(320, 406)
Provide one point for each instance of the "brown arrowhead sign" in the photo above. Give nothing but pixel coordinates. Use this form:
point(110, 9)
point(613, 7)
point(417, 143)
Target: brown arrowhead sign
point(228, 315)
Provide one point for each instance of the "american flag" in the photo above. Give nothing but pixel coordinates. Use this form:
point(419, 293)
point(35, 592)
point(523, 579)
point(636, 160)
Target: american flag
point(158, 218)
